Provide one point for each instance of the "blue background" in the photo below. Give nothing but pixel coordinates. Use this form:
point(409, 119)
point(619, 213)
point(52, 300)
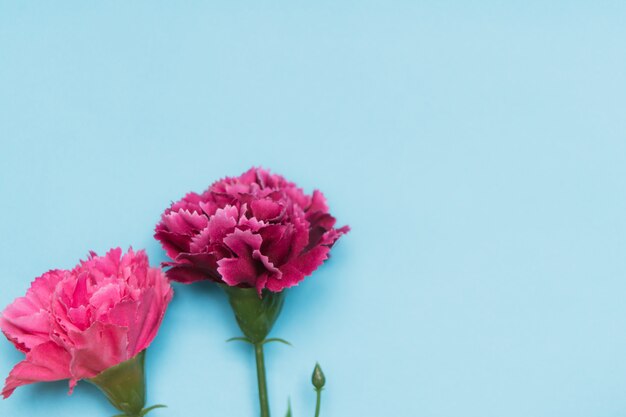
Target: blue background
point(478, 152)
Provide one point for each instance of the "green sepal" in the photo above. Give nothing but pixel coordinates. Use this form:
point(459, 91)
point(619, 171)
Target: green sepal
point(124, 385)
point(255, 314)
point(288, 408)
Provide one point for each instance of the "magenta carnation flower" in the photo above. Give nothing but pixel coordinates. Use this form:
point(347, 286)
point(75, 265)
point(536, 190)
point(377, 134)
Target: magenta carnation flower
point(76, 324)
point(257, 230)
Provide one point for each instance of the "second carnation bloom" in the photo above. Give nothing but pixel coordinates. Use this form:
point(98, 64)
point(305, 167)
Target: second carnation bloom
point(257, 230)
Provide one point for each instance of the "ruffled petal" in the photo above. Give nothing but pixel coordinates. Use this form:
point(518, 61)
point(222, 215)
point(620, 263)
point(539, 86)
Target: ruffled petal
point(318, 202)
point(266, 209)
point(222, 223)
point(296, 270)
point(147, 320)
point(26, 322)
point(173, 243)
point(99, 347)
point(45, 362)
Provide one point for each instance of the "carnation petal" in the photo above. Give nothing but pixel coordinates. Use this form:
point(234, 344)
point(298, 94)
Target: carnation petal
point(184, 221)
point(266, 209)
point(318, 202)
point(311, 260)
point(222, 223)
point(104, 298)
point(243, 242)
point(296, 270)
point(191, 267)
point(191, 202)
point(26, 332)
point(99, 347)
point(173, 243)
point(188, 273)
point(149, 314)
point(277, 242)
point(236, 271)
point(331, 236)
point(45, 362)
point(26, 321)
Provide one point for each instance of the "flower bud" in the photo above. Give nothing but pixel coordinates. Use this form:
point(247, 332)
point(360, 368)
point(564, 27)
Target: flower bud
point(318, 379)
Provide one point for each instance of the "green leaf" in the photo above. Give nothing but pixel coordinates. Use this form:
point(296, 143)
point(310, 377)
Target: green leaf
point(276, 339)
point(288, 408)
point(239, 339)
point(147, 410)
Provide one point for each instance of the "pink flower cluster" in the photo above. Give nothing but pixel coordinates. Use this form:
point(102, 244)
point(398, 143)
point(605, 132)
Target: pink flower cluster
point(257, 230)
point(75, 324)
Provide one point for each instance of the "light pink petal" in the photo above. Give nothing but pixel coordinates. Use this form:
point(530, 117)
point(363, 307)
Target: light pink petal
point(104, 298)
point(105, 265)
point(123, 314)
point(150, 312)
point(99, 347)
point(81, 291)
point(26, 322)
point(80, 317)
point(45, 362)
point(25, 331)
point(42, 288)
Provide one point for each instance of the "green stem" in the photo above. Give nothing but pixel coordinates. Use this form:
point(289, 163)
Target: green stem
point(318, 402)
point(260, 372)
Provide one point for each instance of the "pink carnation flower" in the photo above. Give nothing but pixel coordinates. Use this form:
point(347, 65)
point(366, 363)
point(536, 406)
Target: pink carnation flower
point(76, 324)
point(257, 230)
